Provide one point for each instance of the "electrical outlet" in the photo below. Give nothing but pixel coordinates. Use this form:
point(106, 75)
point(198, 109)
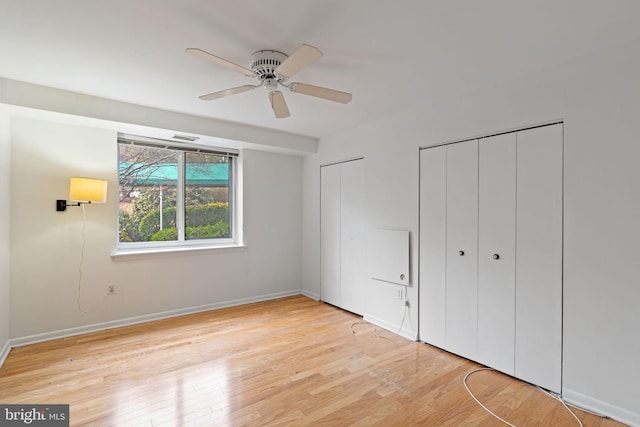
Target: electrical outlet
point(399, 294)
point(112, 289)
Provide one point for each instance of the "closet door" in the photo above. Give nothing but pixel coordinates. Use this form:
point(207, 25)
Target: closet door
point(538, 343)
point(330, 241)
point(352, 262)
point(462, 249)
point(496, 251)
point(433, 241)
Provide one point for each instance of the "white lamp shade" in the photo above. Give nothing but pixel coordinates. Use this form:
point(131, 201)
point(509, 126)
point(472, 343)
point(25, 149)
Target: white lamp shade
point(88, 190)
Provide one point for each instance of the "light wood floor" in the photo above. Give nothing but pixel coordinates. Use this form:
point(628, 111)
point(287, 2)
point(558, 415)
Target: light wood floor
point(292, 361)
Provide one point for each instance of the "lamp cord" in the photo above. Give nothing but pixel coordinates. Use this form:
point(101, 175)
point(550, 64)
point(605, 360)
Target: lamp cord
point(464, 381)
point(466, 386)
point(84, 241)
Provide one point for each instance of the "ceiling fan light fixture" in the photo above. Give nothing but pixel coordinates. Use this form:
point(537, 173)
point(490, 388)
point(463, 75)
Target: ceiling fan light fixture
point(271, 84)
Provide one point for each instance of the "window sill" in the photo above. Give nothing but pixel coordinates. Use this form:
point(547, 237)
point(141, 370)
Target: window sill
point(126, 254)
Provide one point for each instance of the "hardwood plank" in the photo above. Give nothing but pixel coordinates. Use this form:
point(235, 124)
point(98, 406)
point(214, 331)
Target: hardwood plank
point(292, 361)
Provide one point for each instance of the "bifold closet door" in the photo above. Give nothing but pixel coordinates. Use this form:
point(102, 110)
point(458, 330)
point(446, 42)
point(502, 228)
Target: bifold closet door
point(330, 241)
point(433, 244)
point(342, 235)
point(352, 262)
point(491, 251)
point(461, 324)
point(497, 251)
point(538, 344)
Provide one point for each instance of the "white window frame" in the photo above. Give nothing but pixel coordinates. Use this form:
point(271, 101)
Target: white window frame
point(124, 248)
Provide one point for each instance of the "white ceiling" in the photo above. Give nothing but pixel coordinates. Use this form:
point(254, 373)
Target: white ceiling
point(392, 55)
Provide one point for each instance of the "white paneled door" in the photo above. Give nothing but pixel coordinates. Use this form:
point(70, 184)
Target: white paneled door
point(342, 261)
point(539, 266)
point(330, 234)
point(352, 259)
point(433, 244)
point(461, 323)
point(497, 251)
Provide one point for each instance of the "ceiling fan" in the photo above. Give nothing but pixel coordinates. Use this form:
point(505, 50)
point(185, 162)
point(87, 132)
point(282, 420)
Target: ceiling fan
point(273, 69)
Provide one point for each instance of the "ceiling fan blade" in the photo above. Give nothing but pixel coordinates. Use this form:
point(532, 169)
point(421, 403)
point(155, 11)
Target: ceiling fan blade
point(302, 57)
point(199, 53)
point(278, 104)
point(321, 92)
point(227, 92)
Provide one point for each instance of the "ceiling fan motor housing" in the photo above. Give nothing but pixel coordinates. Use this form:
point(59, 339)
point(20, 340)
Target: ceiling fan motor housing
point(265, 62)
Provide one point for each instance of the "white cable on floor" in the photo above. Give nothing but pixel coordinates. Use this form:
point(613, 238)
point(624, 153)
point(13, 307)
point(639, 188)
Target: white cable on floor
point(358, 323)
point(374, 330)
point(464, 381)
point(574, 406)
point(560, 399)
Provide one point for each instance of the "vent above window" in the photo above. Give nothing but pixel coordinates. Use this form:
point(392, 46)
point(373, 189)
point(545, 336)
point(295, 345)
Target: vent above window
point(186, 138)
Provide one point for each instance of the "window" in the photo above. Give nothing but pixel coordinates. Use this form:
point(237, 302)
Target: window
point(172, 195)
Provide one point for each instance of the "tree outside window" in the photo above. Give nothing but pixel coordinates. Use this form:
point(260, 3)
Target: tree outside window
point(173, 195)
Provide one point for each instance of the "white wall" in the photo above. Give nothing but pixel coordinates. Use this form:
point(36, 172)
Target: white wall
point(46, 245)
point(5, 124)
point(597, 96)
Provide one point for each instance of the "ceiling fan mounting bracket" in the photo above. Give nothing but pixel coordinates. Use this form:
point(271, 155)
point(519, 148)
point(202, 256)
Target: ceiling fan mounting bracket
point(265, 62)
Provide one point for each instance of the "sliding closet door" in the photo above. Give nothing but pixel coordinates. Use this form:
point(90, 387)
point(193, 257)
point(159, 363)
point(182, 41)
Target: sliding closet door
point(497, 252)
point(462, 249)
point(352, 262)
point(330, 241)
point(433, 243)
point(538, 344)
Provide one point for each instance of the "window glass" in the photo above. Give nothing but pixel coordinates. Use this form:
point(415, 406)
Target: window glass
point(172, 195)
point(148, 191)
point(207, 213)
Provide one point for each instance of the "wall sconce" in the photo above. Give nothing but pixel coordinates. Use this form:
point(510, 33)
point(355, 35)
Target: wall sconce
point(84, 190)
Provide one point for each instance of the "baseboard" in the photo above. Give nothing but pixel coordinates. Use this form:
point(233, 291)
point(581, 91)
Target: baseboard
point(309, 294)
point(48, 336)
point(595, 405)
point(404, 332)
point(5, 352)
